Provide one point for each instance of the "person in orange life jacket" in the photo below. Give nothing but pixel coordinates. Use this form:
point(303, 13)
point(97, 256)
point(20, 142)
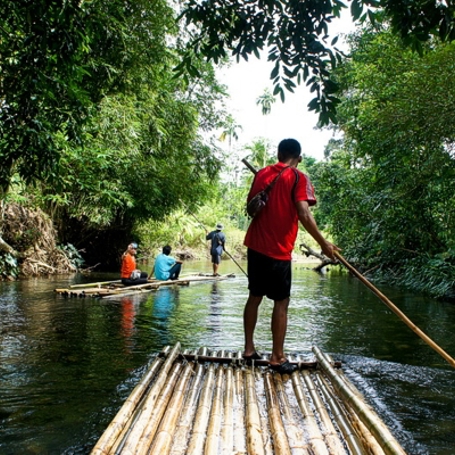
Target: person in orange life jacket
point(166, 267)
point(217, 246)
point(129, 274)
point(270, 240)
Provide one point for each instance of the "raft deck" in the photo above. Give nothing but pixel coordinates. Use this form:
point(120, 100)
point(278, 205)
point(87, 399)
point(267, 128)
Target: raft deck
point(108, 289)
point(213, 403)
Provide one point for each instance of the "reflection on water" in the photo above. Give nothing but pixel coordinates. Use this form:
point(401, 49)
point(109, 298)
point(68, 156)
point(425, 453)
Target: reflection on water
point(66, 365)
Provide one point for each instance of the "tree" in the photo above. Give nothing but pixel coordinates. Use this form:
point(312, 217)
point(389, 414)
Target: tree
point(295, 34)
point(390, 185)
point(265, 101)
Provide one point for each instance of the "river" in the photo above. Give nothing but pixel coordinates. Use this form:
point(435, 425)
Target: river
point(67, 365)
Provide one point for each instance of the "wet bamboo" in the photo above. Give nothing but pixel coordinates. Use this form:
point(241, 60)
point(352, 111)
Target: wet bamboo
point(164, 437)
point(128, 446)
point(254, 443)
point(118, 423)
point(280, 440)
point(227, 431)
point(295, 434)
point(98, 284)
point(213, 432)
point(330, 434)
point(196, 444)
point(189, 408)
point(363, 410)
point(314, 433)
point(239, 411)
point(397, 311)
point(341, 419)
point(153, 422)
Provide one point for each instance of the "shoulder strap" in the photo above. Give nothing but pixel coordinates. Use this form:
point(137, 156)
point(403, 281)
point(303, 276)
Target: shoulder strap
point(272, 183)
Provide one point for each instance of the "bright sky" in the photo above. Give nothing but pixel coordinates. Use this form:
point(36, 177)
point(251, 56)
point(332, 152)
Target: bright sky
point(247, 81)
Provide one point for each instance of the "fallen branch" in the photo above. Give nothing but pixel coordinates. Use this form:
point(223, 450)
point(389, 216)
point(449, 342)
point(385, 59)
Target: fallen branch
point(307, 251)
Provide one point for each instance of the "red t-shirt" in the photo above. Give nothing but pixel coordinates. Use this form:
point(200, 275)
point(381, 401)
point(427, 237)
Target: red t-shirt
point(128, 265)
point(274, 230)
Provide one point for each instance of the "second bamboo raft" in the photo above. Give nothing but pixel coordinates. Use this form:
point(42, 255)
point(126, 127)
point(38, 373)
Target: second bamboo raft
point(213, 403)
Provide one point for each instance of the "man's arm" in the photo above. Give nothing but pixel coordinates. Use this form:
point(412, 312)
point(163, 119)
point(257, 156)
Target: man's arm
point(309, 223)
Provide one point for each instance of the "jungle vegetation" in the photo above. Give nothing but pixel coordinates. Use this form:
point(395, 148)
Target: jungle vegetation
point(111, 118)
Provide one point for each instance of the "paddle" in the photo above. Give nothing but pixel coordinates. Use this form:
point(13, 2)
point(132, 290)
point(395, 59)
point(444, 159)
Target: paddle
point(392, 306)
point(205, 229)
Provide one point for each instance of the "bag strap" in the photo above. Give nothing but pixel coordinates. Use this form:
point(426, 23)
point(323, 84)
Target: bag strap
point(272, 183)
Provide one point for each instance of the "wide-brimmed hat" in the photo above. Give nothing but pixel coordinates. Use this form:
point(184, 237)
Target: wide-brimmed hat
point(219, 226)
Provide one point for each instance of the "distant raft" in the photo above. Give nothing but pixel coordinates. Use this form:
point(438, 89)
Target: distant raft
point(106, 289)
point(214, 403)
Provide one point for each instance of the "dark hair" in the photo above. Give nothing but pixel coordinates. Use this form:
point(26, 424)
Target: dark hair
point(167, 250)
point(289, 148)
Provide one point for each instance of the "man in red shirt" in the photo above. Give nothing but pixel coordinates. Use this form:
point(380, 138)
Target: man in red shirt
point(270, 240)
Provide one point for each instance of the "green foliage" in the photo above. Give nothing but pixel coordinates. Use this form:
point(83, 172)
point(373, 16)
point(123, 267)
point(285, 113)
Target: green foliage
point(295, 34)
point(388, 189)
point(73, 255)
point(9, 267)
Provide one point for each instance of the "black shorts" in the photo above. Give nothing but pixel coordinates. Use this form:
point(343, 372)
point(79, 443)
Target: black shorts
point(216, 258)
point(268, 276)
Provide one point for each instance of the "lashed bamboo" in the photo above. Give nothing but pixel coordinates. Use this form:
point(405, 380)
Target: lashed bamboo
point(351, 438)
point(330, 434)
point(152, 424)
point(119, 422)
point(148, 404)
point(239, 410)
point(196, 445)
point(363, 410)
point(189, 408)
point(164, 436)
point(97, 284)
point(295, 434)
point(213, 432)
point(260, 394)
point(255, 443)
point(227, 431)
point(280, 440)
point(314, 434)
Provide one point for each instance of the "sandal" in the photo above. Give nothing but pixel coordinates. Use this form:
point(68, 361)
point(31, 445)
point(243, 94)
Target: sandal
point(284, 368)
point(249, 358)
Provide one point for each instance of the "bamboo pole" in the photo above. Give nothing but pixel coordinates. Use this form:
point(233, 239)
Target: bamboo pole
point(98, 284)
point(149, 403)
point(239, 410)
point(164, 436)
point(330, 434)
point(314, 433)
point(183, 430)
point(397, 311)
point(153, 422)
point(295, 434)
point(255, 443)
point(280, 440)
point(227, 431)
point(212, 442)
point(118, 423)
point(196, 444)
point(363, 410)
point(346, 428)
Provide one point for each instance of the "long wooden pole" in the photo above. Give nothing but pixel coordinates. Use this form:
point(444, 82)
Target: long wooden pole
point(397, 311)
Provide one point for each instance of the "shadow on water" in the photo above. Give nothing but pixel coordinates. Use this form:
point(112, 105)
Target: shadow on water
point(67, 365)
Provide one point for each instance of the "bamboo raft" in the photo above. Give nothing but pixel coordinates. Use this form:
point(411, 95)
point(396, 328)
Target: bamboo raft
point(108, 289)
point(213, 403)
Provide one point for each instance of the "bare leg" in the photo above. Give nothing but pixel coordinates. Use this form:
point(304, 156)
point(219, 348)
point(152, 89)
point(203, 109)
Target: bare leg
point(250, 317)
point(279, 326)
point(215, 268)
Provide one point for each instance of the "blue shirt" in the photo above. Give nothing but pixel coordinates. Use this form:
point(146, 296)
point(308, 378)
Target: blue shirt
point(163, 264)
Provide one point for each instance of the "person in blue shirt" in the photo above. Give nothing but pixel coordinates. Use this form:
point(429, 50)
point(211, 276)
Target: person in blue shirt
point(166, 267)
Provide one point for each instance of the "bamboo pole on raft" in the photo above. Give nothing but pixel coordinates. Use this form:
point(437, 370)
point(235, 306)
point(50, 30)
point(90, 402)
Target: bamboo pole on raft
point(364, 411)
point(110, 435)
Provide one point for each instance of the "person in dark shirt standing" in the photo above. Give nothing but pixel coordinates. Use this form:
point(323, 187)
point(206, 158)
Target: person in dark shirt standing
point(270, 240)
point(217, 246)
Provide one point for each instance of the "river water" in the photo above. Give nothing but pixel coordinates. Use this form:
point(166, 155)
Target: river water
point(67, 365)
